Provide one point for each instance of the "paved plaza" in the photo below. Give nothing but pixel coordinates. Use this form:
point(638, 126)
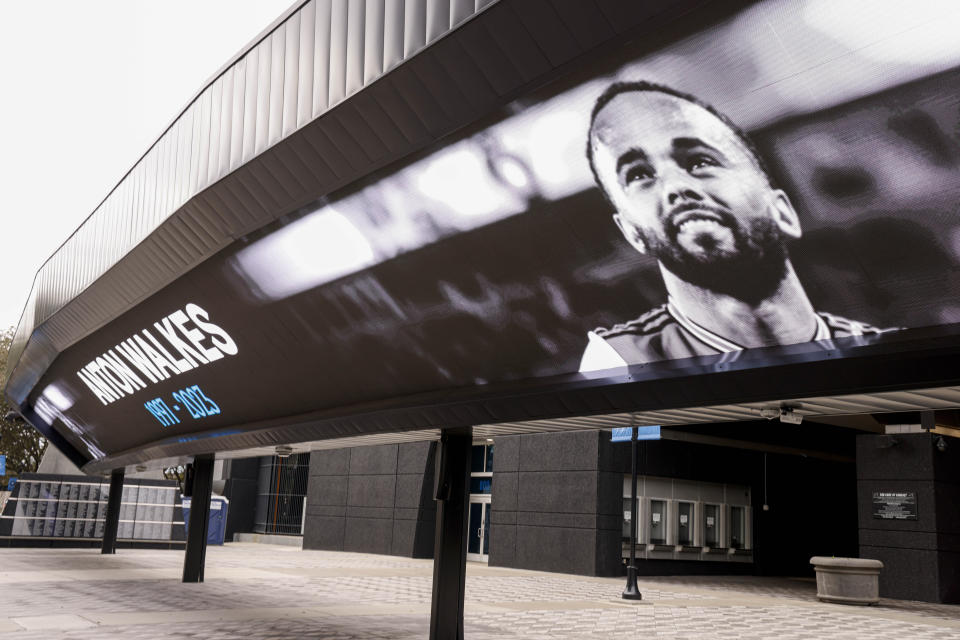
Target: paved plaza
point(267, 591)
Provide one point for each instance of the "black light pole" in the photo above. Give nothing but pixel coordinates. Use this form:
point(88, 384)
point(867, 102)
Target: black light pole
point(112, 520)
point(196, 551)
point(452, 493)
point(632, 592)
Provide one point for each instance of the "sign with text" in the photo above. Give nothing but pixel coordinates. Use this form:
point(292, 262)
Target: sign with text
point(895, 505)
point(648, 433)
point(622, 434)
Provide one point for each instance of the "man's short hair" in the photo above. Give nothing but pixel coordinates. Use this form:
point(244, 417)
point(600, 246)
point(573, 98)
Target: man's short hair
point(617, 88)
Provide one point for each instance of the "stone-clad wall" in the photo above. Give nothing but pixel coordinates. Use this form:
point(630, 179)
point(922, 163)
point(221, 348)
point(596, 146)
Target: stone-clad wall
point(553, 507)
point(374, 499)
point(557, 502)
point(921, 557)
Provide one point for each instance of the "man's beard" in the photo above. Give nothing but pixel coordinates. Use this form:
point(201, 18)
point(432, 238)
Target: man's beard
point(752, 272)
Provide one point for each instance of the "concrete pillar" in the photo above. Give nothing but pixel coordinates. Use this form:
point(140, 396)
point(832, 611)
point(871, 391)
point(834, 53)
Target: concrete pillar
point(918, 543)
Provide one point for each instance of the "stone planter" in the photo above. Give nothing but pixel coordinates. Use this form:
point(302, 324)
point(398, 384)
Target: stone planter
point(847, 580)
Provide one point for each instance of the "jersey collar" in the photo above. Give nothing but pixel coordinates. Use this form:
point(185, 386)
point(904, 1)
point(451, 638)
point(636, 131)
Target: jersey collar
point(720, 343)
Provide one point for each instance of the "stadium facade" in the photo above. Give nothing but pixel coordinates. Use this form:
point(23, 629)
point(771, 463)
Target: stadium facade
point(446, 245)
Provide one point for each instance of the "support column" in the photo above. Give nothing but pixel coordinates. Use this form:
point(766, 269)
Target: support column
point(908, 488)
point(632, 592)
point(112, 519)
point(452, 493)
point(199, 518)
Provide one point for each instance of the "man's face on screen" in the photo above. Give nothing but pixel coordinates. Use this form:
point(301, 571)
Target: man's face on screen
point(689, 193)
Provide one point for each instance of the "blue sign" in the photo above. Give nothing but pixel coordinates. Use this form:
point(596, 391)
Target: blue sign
point(3, 465)
point(648, 433)
point(622, 434)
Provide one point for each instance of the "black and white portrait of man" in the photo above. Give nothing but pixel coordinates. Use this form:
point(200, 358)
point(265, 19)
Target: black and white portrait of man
point(690, 190)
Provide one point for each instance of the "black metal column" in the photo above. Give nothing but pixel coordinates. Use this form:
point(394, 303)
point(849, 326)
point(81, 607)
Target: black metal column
point(112, 520)
point(452, 493)
point(199, 518)
point(631, 592)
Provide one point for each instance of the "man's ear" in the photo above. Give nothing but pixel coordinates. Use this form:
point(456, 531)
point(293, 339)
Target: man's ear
point(785, 215)
point(630, 232)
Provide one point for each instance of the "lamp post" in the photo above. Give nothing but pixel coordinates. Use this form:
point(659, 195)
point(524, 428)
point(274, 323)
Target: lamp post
point(632, 592)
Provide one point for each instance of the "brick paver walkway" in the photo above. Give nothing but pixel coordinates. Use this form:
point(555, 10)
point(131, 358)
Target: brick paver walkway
point(273, 592)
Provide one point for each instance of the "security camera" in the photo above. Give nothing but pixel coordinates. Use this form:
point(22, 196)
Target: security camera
point(769, 412)
point(788, 416)
point(941, 444)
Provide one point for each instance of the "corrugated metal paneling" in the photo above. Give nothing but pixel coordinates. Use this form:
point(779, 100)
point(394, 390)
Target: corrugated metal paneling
point(320, 53)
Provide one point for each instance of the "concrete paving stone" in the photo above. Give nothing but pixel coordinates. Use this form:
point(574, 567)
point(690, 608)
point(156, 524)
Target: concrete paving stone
point(7, 625)
point(266, 591)
point(57, 622)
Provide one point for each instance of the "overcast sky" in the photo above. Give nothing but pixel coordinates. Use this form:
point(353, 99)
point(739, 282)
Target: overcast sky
point(88, 86)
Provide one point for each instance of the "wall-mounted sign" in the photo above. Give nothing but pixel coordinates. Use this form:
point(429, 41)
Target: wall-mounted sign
point(651, 432)
point(895, 505)
point(622, 434)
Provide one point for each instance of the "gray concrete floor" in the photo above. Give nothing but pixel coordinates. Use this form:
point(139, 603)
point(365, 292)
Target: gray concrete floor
point(267, 591)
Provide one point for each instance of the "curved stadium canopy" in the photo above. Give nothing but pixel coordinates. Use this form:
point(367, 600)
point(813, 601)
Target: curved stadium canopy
point(279, 246)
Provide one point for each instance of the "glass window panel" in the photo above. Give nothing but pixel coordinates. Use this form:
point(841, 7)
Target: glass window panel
point(685, 523)
point(627, 518)
point(658, 522)
point(476, 459)
point(711, 525)
point(489, 465)
point(737, 528)
point(476, 517)
point(480, 485)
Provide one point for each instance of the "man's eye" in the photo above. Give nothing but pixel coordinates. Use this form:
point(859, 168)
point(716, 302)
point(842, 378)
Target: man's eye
point(636, 173)
point(700, 161)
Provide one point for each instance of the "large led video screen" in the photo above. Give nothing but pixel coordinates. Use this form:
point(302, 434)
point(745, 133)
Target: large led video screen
point(788, 176)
